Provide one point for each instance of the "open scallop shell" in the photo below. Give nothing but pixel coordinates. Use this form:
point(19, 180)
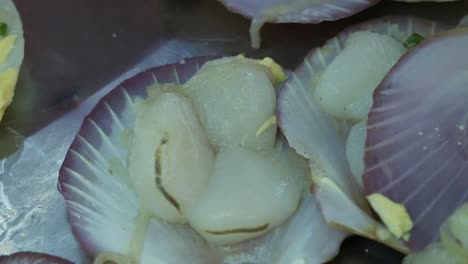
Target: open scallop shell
point(311, 12)
point(322, 138)
point(105, 213)
point(417, 134)
point(290, 11)
point(93, 178)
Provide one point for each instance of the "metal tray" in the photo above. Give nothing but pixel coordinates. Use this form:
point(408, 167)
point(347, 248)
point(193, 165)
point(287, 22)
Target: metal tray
point(76, 51)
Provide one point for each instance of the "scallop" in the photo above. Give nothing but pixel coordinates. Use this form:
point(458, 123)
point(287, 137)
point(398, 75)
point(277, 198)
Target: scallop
point(434, 254)
point(453, 245)
point(416, 148)
point(346, 86)
point(321, 136)
point(170, 159)
point(117, 213)
point(250, 193)
point(454, 233)
point(234, 97)
point(293, 11)
point(355, 145)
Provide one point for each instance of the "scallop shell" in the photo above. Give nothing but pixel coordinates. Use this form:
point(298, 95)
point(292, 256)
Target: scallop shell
point(322, 138)
point(309, 12)
point(104, 211)
point(417, 134)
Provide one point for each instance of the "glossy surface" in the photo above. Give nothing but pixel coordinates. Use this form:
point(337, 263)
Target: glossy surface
point(75, 49)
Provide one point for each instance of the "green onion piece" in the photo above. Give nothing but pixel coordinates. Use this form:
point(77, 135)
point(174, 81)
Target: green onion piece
point(413, 40)
point(3, 29)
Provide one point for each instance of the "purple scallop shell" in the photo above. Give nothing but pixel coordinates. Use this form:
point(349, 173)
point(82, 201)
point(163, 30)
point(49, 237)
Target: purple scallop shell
point(104, 212)
point(322, 138)
point(99, 138)
point(328, 10)
point(417, 134)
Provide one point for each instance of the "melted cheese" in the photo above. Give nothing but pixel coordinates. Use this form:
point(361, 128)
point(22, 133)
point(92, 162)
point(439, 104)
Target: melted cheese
point(275, 68)
point(8, 80)
point(394, 215)
point(6, 45)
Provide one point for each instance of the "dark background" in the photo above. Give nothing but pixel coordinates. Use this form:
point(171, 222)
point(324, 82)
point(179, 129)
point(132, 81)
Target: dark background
point(75, 48)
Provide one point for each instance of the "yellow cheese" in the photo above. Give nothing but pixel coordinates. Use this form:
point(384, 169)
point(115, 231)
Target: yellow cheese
point(6, 45)
point(276, 69)
point(8, 80)
point(267, 124)
point(394, 215)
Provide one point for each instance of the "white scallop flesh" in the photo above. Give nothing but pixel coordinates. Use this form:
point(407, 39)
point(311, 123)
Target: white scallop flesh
point(454, 233)
point(249, 193)
point(433, 254)
point(233, 98)
point(355, 150)
point(345, 89)
point(453, 247)
point(171, 159)
point(166, 243)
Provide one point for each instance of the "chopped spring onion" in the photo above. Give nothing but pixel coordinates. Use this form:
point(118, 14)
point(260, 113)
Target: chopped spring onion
point(3, 29)
point(413, 40)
